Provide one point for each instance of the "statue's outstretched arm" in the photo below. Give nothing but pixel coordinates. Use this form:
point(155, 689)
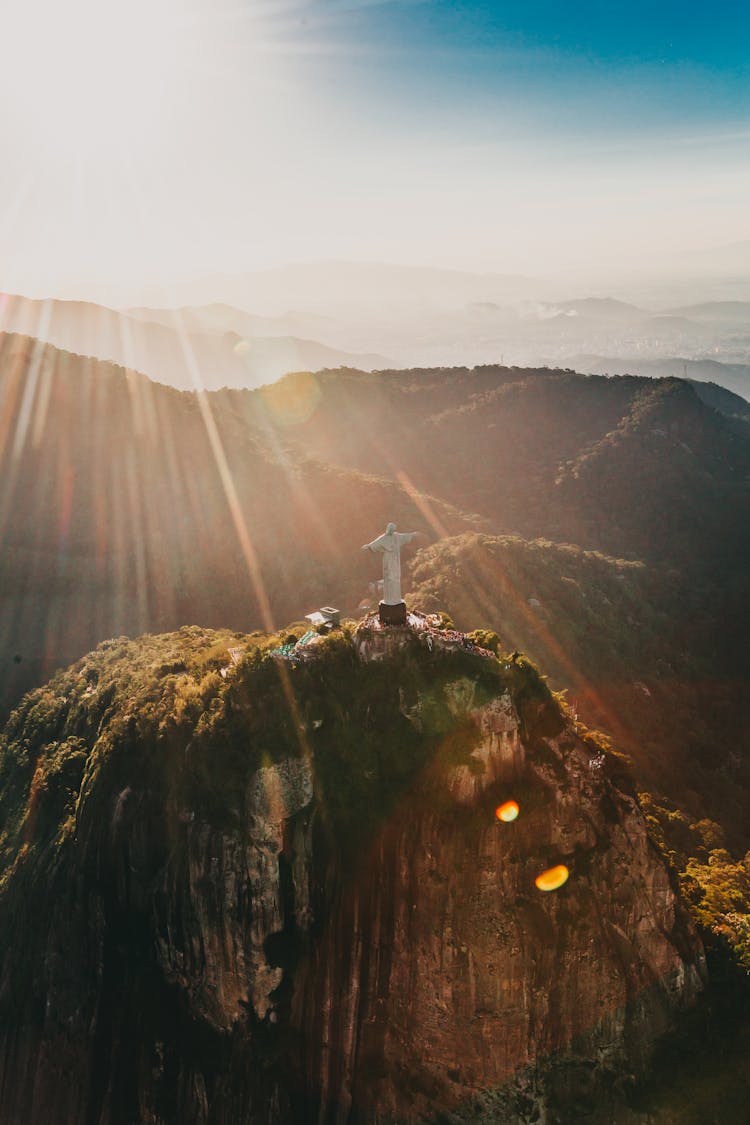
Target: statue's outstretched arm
point(405, 537)
point(375, 544)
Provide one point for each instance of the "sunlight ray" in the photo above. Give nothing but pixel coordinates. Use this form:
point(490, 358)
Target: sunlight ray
point(422, 502)
point(487, 575)
point(269, 427)
point(217, 446)
point(43, 399)
point(30, 388)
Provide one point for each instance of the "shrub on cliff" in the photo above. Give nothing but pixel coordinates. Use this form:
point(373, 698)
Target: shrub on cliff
point(719, 892)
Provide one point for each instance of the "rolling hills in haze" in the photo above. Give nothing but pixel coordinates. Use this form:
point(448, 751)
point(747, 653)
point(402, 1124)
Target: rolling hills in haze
point(189, 353)
point(329, 287)
point(730, 312)
point(732, 377)
point(248, 330)
point(217, 318)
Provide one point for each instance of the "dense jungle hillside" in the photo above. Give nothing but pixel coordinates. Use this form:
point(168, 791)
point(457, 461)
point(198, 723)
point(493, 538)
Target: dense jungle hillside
point(635, 467)
point(126, 506)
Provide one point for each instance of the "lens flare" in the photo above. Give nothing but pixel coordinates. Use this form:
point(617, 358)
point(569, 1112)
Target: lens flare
point(552, 878)
point(293, 400)
point(507, 812)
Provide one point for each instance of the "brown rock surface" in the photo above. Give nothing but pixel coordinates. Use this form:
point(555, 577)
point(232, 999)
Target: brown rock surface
point(455, 973)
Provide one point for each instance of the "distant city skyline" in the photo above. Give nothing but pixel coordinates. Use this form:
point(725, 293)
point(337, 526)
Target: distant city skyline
point(147, 143)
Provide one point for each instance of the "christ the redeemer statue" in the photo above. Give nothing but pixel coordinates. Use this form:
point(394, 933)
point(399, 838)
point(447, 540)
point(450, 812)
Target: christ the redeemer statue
point(392, 608)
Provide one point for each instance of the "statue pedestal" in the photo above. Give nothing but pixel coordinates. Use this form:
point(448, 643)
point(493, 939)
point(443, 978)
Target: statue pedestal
point(392, 614)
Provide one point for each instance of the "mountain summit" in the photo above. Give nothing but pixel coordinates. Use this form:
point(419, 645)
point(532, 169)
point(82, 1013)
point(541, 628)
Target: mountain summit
point(250, 879)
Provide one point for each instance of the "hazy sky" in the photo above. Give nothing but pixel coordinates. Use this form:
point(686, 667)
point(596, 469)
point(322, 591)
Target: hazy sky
point(157, 139)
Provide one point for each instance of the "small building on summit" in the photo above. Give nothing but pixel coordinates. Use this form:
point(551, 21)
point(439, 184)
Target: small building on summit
point(326, 615)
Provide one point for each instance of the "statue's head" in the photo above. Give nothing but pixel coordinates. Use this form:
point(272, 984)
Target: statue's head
point(390, 529)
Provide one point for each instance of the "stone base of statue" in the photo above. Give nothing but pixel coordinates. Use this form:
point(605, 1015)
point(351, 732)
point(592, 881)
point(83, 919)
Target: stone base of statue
point(392, 614)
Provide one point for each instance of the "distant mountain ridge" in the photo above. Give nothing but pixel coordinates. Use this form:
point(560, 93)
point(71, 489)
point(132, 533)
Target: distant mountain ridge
point(602, 308)
point(249, 329)
point(734, 378)
point(734, 311)
point(218, 318)
point(318, 286)
point(180, 352)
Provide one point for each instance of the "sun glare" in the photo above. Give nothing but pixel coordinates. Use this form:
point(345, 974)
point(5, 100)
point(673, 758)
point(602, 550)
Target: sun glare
point(90, 74)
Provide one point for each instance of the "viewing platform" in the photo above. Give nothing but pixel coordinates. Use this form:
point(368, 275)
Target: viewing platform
point(373, 640)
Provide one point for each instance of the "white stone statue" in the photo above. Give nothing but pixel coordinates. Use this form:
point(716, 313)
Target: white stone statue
point(390, 545)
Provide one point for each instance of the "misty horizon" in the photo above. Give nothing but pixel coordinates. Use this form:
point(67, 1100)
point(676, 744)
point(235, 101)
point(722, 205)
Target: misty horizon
point(702, 274)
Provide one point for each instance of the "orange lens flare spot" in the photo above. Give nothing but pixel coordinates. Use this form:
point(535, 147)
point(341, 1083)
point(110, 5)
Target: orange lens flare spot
point(294, 399)
point(508, 811)
point(552, 878)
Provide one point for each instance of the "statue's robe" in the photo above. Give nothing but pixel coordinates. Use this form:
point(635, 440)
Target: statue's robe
point(390, 544)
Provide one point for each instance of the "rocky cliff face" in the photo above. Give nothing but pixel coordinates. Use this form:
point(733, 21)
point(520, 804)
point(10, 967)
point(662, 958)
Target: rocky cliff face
point(284, 895)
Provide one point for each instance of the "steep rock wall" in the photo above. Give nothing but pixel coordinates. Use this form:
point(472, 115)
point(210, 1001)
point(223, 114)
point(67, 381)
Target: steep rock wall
point(458, 973)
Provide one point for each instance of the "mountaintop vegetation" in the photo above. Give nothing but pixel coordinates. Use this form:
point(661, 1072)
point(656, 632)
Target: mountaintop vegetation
point(196, 713)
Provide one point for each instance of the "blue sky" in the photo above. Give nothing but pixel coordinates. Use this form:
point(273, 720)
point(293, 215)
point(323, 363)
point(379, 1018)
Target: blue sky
point(607, 31)
point(587, 65)
point(666, 33)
